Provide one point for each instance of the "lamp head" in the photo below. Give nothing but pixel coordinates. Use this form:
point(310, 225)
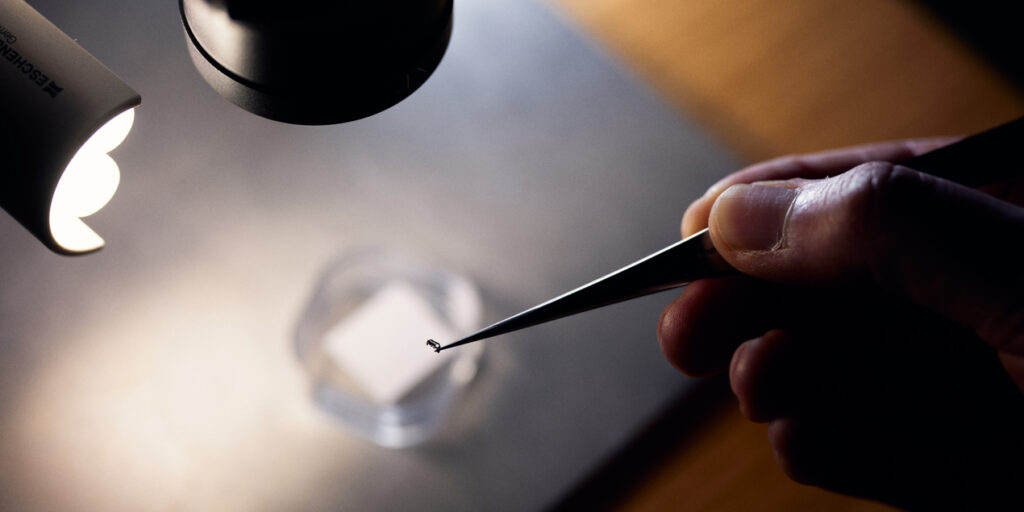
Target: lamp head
point(315, 62)
point(62, 112)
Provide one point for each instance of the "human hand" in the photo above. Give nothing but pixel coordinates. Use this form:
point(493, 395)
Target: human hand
point(879, 326)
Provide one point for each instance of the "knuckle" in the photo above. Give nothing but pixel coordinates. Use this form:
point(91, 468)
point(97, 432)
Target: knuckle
point(879, 197)
point(879, 190)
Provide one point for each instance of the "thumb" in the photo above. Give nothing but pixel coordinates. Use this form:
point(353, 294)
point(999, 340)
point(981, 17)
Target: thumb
point(948, 248)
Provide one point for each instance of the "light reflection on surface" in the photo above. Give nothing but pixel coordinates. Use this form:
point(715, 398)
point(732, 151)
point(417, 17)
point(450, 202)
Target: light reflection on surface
point(191, 410)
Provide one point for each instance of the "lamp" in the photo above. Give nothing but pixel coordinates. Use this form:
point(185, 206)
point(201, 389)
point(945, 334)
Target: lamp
point(61, 112)
point(314, 62)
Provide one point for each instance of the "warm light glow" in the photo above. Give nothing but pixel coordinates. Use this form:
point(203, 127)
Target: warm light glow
point(86, 186)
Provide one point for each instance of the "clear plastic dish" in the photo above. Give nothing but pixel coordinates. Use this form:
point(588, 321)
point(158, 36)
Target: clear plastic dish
point(361, 339)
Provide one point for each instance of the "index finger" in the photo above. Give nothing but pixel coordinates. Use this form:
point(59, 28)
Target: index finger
point(809, 166)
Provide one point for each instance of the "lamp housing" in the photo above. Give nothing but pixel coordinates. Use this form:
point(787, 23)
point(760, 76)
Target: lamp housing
point(54, 99)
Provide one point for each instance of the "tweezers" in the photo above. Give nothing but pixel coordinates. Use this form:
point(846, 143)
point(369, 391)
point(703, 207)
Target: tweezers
point(976, 161)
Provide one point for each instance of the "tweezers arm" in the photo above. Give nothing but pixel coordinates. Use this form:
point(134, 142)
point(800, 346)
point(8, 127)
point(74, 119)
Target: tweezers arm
point(982, 159)
point(676, 265)
point(979, 160)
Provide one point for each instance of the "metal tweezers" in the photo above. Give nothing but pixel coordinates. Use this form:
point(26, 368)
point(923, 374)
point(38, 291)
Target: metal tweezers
point(982, 159)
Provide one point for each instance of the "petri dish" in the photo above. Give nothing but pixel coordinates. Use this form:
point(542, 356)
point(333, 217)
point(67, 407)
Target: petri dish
point(361, 340)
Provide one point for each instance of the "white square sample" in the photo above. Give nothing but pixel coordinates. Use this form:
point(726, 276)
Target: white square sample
point(381, 344)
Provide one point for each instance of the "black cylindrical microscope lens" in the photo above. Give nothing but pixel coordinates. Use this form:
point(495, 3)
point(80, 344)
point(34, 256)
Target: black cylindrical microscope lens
point(316, 62)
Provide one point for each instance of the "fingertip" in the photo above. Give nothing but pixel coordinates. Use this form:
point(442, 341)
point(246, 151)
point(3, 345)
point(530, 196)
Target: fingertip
point(696, 216)
point(668, 333)
point(738, 370)
point(675, 335)
point(781, 434)
point(752, 218)
point(742, 379)
point(698, 331)
point(758, 377)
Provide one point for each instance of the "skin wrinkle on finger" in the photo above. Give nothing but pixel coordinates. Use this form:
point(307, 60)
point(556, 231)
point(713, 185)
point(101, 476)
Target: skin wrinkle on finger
point(936, 284)
point(803, 419)
point(796, 185)
point(899, 229)
point(989, 298)
point(819, 211)
point(883, 372)
point(812, 166)
point(859, 225)
point(812, 218)
point(752, 218)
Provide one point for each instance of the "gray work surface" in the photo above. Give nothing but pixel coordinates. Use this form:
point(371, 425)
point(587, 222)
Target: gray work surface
point(159, 373)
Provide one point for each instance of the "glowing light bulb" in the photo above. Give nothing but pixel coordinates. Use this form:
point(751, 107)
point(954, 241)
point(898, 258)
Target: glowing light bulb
point(88, 183)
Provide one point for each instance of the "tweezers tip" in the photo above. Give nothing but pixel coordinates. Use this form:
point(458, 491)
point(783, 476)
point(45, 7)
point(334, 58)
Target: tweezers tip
point(434, 345)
